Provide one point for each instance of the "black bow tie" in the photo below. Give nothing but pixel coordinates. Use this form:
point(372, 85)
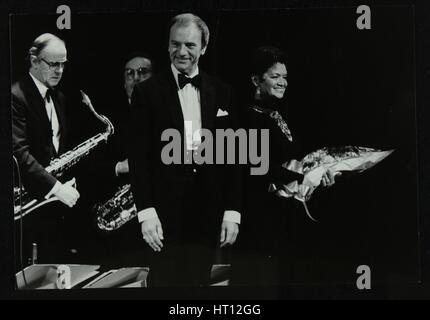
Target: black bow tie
point(183, 80)
point(49, 94)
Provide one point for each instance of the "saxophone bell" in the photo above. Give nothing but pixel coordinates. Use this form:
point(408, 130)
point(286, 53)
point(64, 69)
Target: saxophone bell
point(117, 211)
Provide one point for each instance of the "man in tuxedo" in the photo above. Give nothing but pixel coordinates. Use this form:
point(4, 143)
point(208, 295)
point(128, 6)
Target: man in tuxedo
point(39, 126)
point(184, 209)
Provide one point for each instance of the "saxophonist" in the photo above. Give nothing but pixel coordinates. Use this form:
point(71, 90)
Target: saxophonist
point(39, 133)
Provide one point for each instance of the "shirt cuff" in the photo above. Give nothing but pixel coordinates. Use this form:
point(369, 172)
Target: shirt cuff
point(54, 189)
point(147, 214)
point(232, 216)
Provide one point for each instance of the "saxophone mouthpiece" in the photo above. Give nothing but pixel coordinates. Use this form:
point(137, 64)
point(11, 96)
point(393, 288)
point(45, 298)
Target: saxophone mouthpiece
point(85, 98)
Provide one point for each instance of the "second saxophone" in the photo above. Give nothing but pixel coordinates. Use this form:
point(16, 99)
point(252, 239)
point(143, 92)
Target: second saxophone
point(117, 211)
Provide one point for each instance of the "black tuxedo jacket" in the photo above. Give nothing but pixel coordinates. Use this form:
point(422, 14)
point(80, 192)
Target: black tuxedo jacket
point(212, 188)
point(32, 134)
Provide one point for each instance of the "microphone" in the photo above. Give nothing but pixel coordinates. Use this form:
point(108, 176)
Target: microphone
point(34, 254)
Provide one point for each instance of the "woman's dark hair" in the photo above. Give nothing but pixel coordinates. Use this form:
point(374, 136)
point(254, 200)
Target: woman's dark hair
point(264, 58)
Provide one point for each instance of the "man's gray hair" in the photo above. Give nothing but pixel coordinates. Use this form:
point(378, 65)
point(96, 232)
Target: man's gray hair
point(40, 43)
point(185, 19)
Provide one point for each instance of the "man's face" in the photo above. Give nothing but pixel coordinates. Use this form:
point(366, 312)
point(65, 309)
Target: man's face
point(185, 47)
point(48, 67)
point(274, 81)
point(136, 70)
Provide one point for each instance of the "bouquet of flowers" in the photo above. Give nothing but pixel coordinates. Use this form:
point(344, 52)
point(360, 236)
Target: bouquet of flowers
point(316, 164)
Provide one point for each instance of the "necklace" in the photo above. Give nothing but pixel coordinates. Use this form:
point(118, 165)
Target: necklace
point(280, 122)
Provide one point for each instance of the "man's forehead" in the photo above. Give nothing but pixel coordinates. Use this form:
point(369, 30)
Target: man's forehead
point(54, 49)
point(138, 62)
point(185, 29)
point(278, 67)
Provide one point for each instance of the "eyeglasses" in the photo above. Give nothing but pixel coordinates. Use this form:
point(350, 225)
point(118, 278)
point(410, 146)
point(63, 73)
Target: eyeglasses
point(55, 65)
point(141, 72)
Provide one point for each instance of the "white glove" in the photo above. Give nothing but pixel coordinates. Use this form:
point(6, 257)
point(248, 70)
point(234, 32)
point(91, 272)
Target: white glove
point(67, 193)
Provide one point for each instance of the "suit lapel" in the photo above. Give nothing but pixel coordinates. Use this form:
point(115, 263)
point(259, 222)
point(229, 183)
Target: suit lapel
point(37, 102)
point(172, 101)
point(207, 102)
point(61, 116)
point(59, 109)
point(39, 108)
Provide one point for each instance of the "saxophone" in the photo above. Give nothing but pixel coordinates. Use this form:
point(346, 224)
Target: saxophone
point(117, 211)
point(24, 203)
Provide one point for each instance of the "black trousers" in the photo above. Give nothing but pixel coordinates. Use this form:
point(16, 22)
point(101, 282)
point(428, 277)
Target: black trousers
point(180, 265)
point(190, 238)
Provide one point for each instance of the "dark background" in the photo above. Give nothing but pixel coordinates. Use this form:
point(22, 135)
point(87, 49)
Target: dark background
point(346, 87)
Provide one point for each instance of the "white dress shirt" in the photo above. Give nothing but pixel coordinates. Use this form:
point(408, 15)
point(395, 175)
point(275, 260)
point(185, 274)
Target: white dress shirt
point(189, 98)
point(50, 111)
point(55, 125)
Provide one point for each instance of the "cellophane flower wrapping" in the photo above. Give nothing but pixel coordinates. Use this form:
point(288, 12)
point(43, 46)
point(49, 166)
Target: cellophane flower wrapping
point(314, 165)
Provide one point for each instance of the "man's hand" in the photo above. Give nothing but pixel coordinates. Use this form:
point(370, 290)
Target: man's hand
point(229, 232)
point(328, 179)
point(67, 193)
point(122, 167)
point(153, 233)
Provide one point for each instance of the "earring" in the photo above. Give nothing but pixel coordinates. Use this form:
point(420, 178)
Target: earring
point(258, 91)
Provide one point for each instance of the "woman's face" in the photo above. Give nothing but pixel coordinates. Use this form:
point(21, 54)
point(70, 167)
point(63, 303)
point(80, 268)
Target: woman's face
point(274, 81)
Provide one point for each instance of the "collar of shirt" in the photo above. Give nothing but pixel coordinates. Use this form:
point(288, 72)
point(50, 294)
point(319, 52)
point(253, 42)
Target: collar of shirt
point(176, 73)
point(40, 86)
